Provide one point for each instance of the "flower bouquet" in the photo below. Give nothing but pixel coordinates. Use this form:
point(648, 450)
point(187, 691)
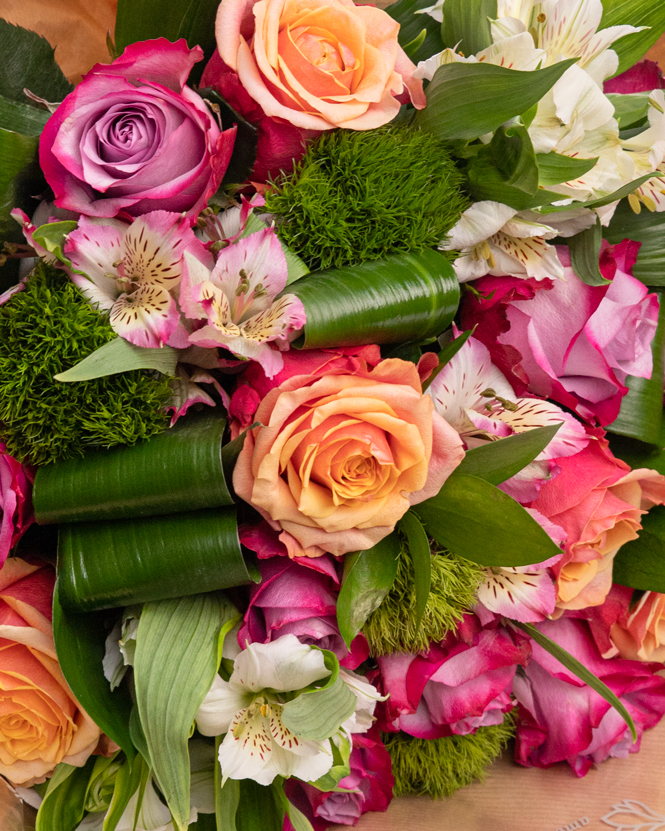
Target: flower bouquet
point(331, 406)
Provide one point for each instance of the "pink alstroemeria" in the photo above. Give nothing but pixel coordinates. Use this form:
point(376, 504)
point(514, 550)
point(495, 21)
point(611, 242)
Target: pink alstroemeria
point(225, 227)
point(235, 302)
point(134, 270)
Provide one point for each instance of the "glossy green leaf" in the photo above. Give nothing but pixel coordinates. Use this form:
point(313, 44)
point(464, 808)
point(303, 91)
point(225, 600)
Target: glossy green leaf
point(585, 255)
point(28, 63)
point(129, 779)
point(404, 297)
point(553, 169)
point(405, 12)
point(448, 353)
point(261, 809)
point(174, 666)
point(630, 108)
point(80, 643)
point(467, 23)
point(642, 407)
point(640, 454)
point(648, 229)
point(368, 577)
point(22, 118)
point(418, 545)
point(227, 797)
point(571, 663)
point(505, 170)
point(62, 808)
point(640, 563)
point(496, 461)
point(106, 564)
point(635, 13)
point(178, 470)
point(475, 520)
point(497, 93)
point(119, 355)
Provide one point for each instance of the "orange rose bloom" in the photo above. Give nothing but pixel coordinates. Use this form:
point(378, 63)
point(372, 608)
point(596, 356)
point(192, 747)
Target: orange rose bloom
point(318, 64)
point(641, 637)
point(41, 723)
point(341, 458)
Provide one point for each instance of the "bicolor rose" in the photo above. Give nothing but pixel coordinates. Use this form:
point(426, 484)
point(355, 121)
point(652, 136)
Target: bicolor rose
point(639, 634)
point(132, 138)
point(15, 504)
point(341, 458)
point(41, 723)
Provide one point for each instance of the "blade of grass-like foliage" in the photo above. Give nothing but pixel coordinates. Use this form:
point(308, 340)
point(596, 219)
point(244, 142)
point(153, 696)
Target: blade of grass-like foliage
point(129, 779)
point(448, 353)
point(62, 808)
point(227, 798)
point(107, 564)
point(118, 355)
point(404, 297)
point(630, 109)
point(584, 255)
point(419, 549)
point(174, 667)
point(178, 470)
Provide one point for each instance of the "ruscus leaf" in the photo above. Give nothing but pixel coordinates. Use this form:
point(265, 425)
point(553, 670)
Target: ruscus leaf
point(118, 355)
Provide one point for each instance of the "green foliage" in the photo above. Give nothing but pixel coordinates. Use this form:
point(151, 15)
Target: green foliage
point(439, 767)
point(393, 626)
point(45, 329)
point(359, 196)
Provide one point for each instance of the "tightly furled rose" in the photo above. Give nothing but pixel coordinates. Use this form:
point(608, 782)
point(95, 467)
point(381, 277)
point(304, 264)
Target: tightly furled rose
point(342, 457)
point(318, 64)
point(132, 138)
point(41, 723)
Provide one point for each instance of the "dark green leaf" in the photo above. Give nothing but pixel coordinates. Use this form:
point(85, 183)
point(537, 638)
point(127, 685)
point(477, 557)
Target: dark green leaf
point(640, 563)
point(119, 355)
point(631, 108)
point(80, 646)
point(585, 255)
point(178, 470)
point(448, 353)
point(198, 29)
point(22, 118)
point(19, 172)
point(412, 24)
point(571, 663)
point(62, 807)
point(640, 454)
point(475, 520)
point(368, 576)
point(412, 48)
point(497, 93)
point(404, 297)
point(553, 169)
point(505, 170)
point(261, 809)
point(107, 564)
point(227, 798)
point(244, 148)
point(231, 451)
point(647, 228)
point(467, 23)
point(418, 545)
point(641, 410)
point(318, 714)
point(635, 13)
point(28, 63)
point(497, 461)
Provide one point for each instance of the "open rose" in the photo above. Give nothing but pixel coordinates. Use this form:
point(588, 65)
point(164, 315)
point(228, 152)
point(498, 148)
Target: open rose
point(639, 633)
point(41, 723)
point(318, 64)
point(132, 138)
point(342, 457)
point(15, 504)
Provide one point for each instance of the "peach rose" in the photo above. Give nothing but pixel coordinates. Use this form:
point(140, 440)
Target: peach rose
point(342, 457)
point(317, 64)
point(41, 723)
point(640, 636)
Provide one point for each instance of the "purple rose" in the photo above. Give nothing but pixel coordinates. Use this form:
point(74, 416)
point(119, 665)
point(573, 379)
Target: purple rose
point(457, 686)
point(132, 138)
point(562, 719)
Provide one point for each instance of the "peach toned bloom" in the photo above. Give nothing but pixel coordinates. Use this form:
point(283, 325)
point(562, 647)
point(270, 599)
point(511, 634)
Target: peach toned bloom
point(641, 635)
point(317, 64)
point(341, 458)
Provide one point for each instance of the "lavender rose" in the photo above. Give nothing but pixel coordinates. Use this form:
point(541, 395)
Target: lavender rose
point(132, 138)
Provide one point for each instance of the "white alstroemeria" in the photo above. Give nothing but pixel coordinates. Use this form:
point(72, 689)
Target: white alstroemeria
point(367, 695)
point(120, 646)
point(647, 149)
point(495, 239)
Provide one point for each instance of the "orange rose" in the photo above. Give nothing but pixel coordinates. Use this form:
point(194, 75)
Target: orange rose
point(641, 636)
point(341, 458)
point(41, 723)
point(318, 64)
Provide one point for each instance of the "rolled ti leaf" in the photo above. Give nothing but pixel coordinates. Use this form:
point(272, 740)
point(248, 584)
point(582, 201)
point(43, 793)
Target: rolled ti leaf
point(179, 470)
point(404, 297)
point(107, 564)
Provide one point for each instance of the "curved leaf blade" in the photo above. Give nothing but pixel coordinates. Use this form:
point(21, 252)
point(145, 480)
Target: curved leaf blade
point(421, 556)
point(631, 48)
point(118, 355)
point(467, 23)
point(647, 228)
point(406, 13)
point(317, 715)
point(554, 169)
point(585, 256)
point(62, 807)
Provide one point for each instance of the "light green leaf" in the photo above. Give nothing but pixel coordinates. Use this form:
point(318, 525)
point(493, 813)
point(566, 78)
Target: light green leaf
point(412, 48)
point(62, 807)
point(570, 662)
point(497, 94)
point(640, 563)
point(130, 778)
point(419, 549)
point(341, 748)
point(227, 798)
point(298, 820)
point(467, 23)
point(585, 255)
point(635, 13)
point(647, 228)
point(174, 667)
point(553, 169)
point(368, 576)
point(119, 355)
point(630, 108)
point(52, 237)
point(625, 190)
point(412, 24)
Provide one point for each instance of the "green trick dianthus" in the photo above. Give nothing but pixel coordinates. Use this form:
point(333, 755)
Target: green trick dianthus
point(45, 329)
point(360, 195)
point(392, 627)
point(439, 767)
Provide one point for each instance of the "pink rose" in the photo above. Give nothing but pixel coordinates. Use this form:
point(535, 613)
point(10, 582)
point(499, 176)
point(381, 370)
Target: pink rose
point(15, 492)
point(643, 77)
point(457, 686)
point(598, 501)
point(562, 719)
point(568, 341)
point(132, 138)
point(639, 633)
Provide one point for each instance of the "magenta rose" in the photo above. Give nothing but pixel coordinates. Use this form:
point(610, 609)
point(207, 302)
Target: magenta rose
point(642, 77)
point(561, 719)
point(132, 138)
point(565, 340)
point(457, 686)
point(15, 501)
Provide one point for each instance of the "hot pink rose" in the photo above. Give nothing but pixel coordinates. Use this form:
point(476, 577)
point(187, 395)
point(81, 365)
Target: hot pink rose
point(459, 685)
point(562, 719)
point(598, 501)
point(15, 491)
point(643, 77)
point(132, 138)
point(568, 341)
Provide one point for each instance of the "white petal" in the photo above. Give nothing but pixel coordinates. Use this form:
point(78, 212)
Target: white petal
point(578, 97)
point(249, 755)
point(221, 704)
point(283, 665)
point(516, 52)
point(478, 223)
point(113, 663)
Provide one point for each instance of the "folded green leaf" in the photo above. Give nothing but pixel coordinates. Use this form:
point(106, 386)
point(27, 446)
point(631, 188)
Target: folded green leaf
point(467, 23)
point(635, 13)
point(615, 196)
point(119, 355)
point(554, 169)
point(28, 63)
point(62, 808)
point(179, 470)
point(401, 298)
point(640, 563)
point(647, 228)
point(418, 545)
point(497, 94)
point(571, 663)
point(585, 255)
point(174, 667)
point(405, 12)
point(107, 564)
point(22, 118)
point(505, 170)
point(630, 109)
point(412, 48)
point(475, 520)
point(130, 778)
point(368, 576)
point(80, 646)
